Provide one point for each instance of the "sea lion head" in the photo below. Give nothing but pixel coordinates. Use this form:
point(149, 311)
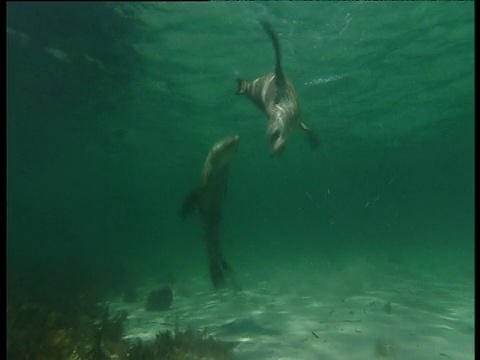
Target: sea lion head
point(226, 150)
point(220, 156)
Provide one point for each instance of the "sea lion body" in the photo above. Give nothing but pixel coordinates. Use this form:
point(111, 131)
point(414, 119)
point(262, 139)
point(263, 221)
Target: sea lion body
point(208, 199)
point(276, 96)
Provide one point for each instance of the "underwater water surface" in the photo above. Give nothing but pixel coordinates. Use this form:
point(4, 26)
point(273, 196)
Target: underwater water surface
point(111, 111)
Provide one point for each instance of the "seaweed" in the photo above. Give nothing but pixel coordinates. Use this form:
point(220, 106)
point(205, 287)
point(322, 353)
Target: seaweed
point(112, 329)
point(35, 331)
point(107, 337)
point(384, 349)
point(54, 311)
point(181, 345)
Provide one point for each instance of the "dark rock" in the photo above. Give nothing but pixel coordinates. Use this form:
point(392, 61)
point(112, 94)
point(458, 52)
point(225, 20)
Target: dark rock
point(160, 300)
point(129, 295)
point(388, 307)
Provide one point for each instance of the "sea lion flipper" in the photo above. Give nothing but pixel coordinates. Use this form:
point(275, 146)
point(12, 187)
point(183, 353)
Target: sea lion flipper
point(242, 86)
point(311, 135)
point(190, 203)
point(221, 273)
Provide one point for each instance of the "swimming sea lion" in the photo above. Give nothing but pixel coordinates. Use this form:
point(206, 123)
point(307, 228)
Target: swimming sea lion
point(275, 95)
point(208, 199)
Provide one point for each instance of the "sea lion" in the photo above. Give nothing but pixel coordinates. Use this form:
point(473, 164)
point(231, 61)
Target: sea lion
point(208, 199)
point(277, 97)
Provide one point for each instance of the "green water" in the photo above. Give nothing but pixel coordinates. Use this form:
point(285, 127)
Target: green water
point(112, 108)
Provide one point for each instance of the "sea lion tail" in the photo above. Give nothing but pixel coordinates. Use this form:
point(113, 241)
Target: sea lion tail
point(190, 203)
point(276, 44)
point(220, 272)
point(242, 86)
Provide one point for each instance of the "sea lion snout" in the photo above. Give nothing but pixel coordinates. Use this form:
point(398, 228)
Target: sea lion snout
point(224, 151)
point(232, 141)
point(231, 145)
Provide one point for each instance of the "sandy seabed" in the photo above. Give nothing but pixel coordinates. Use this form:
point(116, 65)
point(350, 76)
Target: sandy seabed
point(401, 317)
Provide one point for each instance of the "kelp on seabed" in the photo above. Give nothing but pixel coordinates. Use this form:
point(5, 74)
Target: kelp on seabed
point(46, 322)
point(55, 311)
point(183, 344)
point(37, 332)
